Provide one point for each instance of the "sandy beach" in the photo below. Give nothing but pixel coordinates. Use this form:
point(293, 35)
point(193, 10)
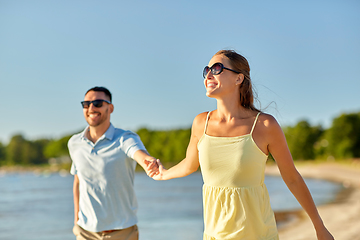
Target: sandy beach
point(342, 217)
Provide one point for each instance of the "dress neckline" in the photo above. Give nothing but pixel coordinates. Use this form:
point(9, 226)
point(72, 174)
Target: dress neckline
point(245, 135)
point(241, 136)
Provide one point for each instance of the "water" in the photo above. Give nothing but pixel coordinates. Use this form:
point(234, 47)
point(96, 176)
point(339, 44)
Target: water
point(39, 207)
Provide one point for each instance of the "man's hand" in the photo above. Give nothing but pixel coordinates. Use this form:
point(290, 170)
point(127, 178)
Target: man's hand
point(152, 167)
point(162, 170)
point(147, 162)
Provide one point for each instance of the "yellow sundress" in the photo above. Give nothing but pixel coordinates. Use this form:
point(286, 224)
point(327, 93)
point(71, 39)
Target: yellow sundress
point(235, 199)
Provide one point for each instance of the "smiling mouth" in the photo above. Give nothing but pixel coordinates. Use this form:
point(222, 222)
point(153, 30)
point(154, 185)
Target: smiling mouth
point(94, 115)
point(211, 85)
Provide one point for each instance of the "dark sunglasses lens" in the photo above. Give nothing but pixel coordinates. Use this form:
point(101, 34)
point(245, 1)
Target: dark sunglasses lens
point(206, 71)
point(85, 104)
point(97, 103)
point(216, 68)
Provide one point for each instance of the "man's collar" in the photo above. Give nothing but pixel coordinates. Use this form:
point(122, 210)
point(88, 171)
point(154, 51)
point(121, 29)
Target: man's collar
point(109, 134)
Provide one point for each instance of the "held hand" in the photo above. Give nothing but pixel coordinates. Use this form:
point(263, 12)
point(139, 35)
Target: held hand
point(162, 170)
point(152, 167)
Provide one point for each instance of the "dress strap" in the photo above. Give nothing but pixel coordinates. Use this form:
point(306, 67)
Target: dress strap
point(206, 123)
point(252, 129)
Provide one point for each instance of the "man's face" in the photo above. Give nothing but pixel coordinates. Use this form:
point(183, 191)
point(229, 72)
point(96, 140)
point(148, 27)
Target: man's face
point(97, 116)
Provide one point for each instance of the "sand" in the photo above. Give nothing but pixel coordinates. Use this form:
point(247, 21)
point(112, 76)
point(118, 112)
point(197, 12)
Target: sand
point(342, 217)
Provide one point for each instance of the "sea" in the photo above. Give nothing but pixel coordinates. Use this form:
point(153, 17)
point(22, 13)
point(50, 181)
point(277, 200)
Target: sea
point(39, 206)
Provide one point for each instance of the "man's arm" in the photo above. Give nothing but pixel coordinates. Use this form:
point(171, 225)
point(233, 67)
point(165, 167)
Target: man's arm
point(76, 198)
point(147, 162)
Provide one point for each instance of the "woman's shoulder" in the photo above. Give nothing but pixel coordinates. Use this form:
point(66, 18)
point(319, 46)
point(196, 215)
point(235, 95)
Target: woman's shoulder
point(201, 117)
point(267, 122)
point(266, 118)
point(199, 122)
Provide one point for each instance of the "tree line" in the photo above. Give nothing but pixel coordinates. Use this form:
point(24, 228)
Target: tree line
point(306, 142)
point(340, 141)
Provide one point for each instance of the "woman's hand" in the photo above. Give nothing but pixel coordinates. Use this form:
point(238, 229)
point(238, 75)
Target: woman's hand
point(162, 171)
point(324, 234)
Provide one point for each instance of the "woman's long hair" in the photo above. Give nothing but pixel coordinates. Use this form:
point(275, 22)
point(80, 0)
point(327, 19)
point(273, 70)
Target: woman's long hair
point(240, 64)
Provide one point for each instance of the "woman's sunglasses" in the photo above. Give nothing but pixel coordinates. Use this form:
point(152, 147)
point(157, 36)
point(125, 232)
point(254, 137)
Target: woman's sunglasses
point(96, 103)
point(216, 69)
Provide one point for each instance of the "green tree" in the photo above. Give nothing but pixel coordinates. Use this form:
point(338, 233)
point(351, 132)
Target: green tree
point(14, 150)
point(168, 146)
point(2, 154)
point(57, 148)
point(145, 135)
point(344, 136)
point(38, 147)
point(301, 140)
point(24, 152)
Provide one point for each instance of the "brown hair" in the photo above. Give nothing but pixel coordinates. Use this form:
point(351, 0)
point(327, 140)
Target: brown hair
point(240, 64)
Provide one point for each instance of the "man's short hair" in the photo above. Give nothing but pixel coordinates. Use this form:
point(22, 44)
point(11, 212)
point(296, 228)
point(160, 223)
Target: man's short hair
point(101, 89)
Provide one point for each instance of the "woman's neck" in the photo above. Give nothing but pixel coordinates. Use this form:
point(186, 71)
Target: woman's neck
point(228, 109)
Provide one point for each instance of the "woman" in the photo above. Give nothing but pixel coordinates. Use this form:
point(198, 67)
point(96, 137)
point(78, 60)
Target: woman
point(232, 144)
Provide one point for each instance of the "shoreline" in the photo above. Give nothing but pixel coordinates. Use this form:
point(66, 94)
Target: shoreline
point(341, 216)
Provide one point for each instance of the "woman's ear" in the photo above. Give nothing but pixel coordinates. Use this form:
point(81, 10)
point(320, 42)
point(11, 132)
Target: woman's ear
point(239, 79)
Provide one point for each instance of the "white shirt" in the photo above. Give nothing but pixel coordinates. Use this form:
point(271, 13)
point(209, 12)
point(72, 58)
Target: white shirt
point(106, 171)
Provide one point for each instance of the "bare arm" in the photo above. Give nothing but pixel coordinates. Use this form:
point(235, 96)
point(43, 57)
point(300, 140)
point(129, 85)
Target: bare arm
point(277, 146)
point(191, 162)
point(147, 162)
point(76, 198)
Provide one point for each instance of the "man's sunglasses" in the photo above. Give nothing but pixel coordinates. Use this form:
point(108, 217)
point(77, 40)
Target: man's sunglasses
point(216, 69)
point(96, 103)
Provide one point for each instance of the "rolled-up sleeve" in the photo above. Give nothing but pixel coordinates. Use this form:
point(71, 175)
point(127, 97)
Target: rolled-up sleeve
point(131, 143)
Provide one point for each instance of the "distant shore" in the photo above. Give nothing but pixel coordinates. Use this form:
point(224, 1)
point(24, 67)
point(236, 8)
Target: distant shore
point(34, 168)
point(341, 217)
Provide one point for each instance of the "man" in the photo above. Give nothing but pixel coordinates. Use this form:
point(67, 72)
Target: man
point(103, 167)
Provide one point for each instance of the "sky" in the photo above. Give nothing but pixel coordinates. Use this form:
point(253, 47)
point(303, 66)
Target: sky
point(304, 59)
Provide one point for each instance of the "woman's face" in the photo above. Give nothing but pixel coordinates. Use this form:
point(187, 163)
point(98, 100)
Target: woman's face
point(223, 83)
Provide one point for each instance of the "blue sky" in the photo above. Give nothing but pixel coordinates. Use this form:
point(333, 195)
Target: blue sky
point(304, 59)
